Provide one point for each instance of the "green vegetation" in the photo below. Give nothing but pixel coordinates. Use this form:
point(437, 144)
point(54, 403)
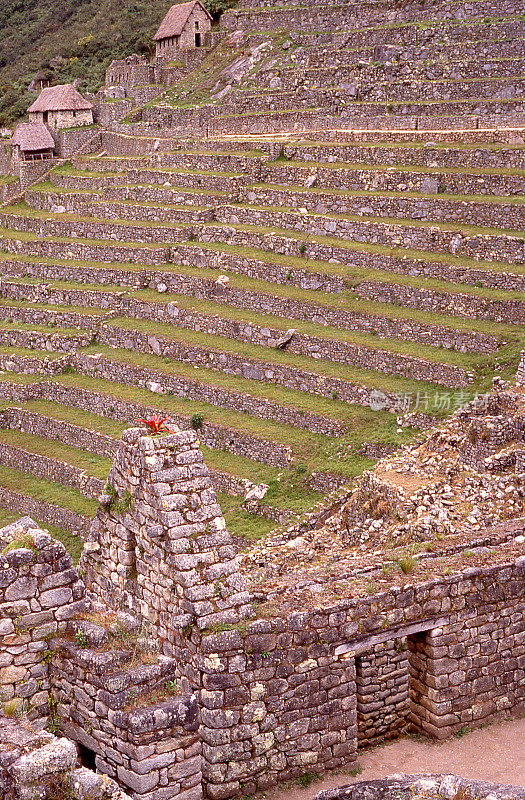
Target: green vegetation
point(22, 542)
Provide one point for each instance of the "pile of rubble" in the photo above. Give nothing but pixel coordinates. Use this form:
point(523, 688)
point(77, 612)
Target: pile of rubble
point(455, 495)
point(466, 476)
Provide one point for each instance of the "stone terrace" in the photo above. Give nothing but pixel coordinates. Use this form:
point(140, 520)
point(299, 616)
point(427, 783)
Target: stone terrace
point(306, 300)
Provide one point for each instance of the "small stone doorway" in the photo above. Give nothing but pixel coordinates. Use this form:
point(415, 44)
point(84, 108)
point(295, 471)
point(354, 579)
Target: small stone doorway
point(391, 678)
point(382, 682)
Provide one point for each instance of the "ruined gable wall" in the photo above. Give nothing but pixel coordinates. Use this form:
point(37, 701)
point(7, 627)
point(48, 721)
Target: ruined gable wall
point(161, 552)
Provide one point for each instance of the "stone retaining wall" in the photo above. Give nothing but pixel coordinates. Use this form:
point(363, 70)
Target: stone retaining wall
point(274, 242)
point(112, 110)
point(206, 288)
point(98, 366)
point(378, 155)
point(23, 420)
point(492, 214)
point(163, 167)
point(83, 139)
point(499, 247)
point(509, 311)
point(35, 340)
point(391, 180)
point(290, 377)
point(343, 67)
point(10, 191)
point(481, 247)
point(205, 121)
point(47, 513)
point(500, 310)
point(101, 367)
point(356, 16)
point(497, 96)
point(50, 469)
point(31, 171)
point(50, 317)
point(189, 254)
point(215, 436)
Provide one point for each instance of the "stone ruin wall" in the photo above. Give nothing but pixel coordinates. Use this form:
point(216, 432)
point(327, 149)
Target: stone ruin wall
point(152, 751)
point(280, 696)
point(36, 764)
point(39, 592)
point(277, 695)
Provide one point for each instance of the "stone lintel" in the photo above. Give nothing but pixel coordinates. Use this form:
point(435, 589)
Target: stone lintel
point(364, 645)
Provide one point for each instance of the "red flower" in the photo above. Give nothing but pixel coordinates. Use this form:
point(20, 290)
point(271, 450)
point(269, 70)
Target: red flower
point(156, 424)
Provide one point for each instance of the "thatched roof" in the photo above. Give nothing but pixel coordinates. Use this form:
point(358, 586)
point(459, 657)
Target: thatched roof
point(32, 136)
point(60, 98)
point(176, 18)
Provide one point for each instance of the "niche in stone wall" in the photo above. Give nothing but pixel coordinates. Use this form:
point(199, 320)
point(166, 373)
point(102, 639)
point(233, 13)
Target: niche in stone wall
point(86, 756)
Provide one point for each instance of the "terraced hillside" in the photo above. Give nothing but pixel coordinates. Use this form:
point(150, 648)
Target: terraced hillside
point(307, 300)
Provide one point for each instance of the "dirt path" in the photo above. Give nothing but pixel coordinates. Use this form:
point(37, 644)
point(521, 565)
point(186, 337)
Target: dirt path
point(495, 754)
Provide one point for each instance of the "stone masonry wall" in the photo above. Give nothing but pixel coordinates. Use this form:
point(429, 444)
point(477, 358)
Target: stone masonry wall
point(261, 679)
point(172, 524)
point(501, 310)
point(251, 368)
point(106, 702)
point(382, 692)
point(39, 592)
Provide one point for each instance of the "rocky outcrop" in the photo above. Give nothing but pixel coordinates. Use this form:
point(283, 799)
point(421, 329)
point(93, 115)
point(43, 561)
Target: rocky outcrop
point(407, 787)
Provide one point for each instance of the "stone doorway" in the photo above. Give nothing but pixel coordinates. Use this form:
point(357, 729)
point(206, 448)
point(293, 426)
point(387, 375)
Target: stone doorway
point(391, 680)
point(382, 682)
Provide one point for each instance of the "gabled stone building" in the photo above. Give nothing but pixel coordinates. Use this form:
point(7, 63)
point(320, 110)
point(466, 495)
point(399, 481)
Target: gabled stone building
point(185, 27)
point(61, 107)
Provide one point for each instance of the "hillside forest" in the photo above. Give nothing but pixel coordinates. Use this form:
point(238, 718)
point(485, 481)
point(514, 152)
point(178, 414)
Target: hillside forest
point(68, 40)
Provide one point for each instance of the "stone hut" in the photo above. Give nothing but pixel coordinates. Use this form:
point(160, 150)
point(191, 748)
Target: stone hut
point(40, 81)
point(185, 27)
point(31, 141)
point(61, 107)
